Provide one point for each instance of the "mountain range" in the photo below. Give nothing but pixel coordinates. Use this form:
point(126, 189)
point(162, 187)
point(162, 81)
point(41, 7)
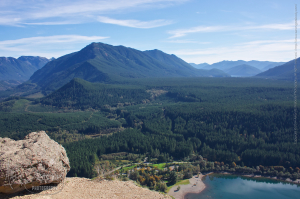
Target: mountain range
point(225, 65)
point(243, 70)
point(20, 69)
point(104, 63)
point(284, 71)
point(99, 62)
point(199, 66)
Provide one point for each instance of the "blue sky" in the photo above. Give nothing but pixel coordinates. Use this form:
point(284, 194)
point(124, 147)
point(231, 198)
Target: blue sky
point(197, 31)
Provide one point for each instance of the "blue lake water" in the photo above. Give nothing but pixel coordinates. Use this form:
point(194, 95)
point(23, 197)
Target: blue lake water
point(220, 186)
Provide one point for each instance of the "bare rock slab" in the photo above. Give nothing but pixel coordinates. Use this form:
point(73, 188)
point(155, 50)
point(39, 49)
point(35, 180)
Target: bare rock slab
point(83, 188)
point(34, 161)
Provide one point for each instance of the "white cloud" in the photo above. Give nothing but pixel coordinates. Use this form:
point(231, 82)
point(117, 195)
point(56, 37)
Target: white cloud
point(287, 26)
point(51, 39)
point(183, 41)
point(18, 12)
point(262, 50)
point(184, 32)
point(10, 21)
point(46, 46)
point(268, 42)
point(134, 23)
point(54, 23)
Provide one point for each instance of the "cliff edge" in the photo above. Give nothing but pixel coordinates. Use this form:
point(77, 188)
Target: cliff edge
point(83, 188)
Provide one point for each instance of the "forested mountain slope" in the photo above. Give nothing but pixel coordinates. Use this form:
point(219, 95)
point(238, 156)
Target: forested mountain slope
point(171, 60)
point(81, 94)
point(242, 120)
point(100, 62)
point(9, 84)
point(285, 71)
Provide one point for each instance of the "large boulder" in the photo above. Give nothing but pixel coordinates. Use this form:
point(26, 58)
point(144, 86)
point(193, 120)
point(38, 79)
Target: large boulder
point(37, 160)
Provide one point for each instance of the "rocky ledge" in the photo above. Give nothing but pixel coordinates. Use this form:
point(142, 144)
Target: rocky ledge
point(34, 161)
point(84, 188)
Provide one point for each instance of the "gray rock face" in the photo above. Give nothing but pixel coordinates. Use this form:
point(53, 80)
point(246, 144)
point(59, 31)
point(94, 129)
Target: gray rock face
point(37, 160)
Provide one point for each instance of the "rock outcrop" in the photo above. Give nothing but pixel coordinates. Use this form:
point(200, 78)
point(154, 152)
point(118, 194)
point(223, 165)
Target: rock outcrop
point(37, 160)
point(84, 188)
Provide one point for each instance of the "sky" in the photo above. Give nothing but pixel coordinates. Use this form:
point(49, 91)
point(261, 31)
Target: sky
point(197, 31)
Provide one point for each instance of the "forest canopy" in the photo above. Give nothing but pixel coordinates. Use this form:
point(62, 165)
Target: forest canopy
point(245, 121)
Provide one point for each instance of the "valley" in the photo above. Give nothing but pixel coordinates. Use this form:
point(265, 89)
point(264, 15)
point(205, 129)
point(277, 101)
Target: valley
point(179, 99)
point(107, 121)
point(228, 120)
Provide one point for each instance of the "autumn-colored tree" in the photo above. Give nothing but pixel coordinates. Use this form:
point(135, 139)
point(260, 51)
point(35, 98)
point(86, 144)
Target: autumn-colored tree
point(217, 163)
point(233, 164)
point(152, 179)
point(141, 179)
point(157, 178)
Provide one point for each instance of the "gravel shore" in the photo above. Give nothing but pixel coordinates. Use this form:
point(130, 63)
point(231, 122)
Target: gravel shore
point(196, 186)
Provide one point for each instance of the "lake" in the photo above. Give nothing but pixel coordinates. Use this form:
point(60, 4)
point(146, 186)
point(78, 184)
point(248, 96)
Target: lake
point(220, 186)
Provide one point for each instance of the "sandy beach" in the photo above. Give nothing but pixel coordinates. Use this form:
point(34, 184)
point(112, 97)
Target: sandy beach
point(196, 186)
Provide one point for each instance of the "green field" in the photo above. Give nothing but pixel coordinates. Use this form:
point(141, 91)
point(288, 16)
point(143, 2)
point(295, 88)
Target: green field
point(159, 166)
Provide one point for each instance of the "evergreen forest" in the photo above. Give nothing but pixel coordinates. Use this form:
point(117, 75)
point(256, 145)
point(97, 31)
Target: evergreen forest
point(233, 121)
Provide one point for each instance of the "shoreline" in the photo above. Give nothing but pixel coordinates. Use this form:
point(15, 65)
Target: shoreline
point(287, 180)
point(196, 185)
point(200, 186)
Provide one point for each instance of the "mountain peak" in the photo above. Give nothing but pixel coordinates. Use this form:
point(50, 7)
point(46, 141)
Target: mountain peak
point(99, 62)
point(243, 70)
